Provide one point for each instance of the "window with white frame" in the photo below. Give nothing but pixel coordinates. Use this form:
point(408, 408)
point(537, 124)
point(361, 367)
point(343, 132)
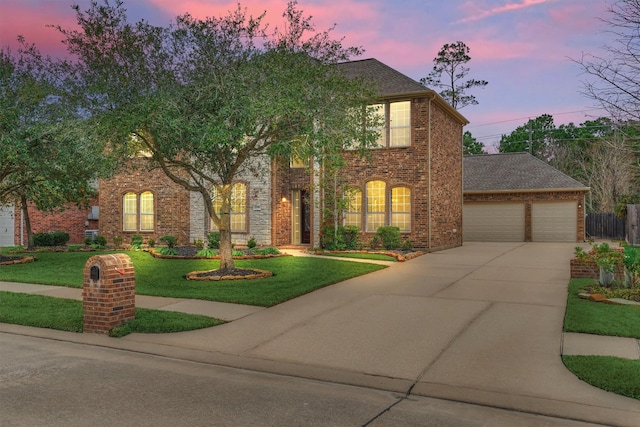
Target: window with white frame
point(376, 205)
point(238, 211)
point(401, 208)
point(353, 215)
point(400, 124)
point(138, 211)
point(378, 110)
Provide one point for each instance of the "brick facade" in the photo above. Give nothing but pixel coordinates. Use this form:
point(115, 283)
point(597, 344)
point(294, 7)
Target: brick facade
point(589, 270)
point(72, 220)
point(528, 198)
point(171, 203)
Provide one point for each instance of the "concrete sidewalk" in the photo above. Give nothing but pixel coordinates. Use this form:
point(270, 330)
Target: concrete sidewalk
point(479, 324)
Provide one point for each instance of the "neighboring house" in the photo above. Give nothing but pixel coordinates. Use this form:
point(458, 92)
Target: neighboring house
point(78, 222)
point(413, 180)
point(520, 198)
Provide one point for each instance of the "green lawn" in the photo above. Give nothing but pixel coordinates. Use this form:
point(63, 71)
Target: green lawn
point(589, 317)
point(66, 315)
point(621, 376)
point(358, 255)
point(292, 276)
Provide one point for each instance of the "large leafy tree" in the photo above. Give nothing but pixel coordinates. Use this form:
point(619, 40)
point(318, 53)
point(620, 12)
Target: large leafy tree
point(470, 145)
point(42, 161)
point(615, 75)
point(449, 73)
point(533, 137)
point(211, 99)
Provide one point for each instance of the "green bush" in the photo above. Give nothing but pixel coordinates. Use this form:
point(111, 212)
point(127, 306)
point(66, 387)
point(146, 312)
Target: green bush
point(269, 251)
point(251, 243)
point(206, 253)
point(346, 238)
point(237, 253)
point(213, 240)
point(54, 238)
point(169, 240)
point(389, 237)
point(168, 251)
point(136, 241)
point(350, 236)
point(407, 245)
point(117, 241)
point(75, 248)
point(199, 244)
point(88, 240)
point(151, 242)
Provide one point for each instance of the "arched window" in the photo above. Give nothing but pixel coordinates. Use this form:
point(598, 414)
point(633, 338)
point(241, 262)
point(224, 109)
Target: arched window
point(401, 208)
point(132, 204)
point(238, 207)
point(376, 203)
point(353, 215)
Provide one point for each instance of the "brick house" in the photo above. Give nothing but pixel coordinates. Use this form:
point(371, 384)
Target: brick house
point(518, 197)
point(412, 180)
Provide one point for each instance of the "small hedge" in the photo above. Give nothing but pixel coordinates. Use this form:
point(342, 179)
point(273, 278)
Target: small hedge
point(52, 238)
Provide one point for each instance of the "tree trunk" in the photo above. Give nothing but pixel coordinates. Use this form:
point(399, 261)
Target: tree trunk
point(226, 251)
point(27, 223)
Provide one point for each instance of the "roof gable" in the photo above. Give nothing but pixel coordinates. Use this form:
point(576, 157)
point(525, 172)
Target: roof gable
point(514, 172)
point(389, 82)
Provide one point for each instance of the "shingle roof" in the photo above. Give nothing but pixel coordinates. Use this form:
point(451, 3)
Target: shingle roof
point(389, 81)
point(514, 171)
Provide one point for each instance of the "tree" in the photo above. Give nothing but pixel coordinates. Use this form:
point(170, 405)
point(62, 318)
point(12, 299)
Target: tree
point(616, 83)
point(209, 100)
point(41, 160)
point(533, 137)
point(450, 62)
point(470, 145)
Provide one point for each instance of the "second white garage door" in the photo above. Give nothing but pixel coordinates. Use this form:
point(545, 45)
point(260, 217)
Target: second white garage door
point(493, 222)
point(554, 221)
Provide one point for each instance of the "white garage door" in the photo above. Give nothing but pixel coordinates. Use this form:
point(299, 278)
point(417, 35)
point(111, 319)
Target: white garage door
point(554, 221)
point(6, 226)
point(493, 222)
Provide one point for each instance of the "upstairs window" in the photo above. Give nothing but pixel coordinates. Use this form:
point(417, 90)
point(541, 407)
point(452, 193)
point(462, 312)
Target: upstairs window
point(378, 110)
point(400, 124)
point(238, 207)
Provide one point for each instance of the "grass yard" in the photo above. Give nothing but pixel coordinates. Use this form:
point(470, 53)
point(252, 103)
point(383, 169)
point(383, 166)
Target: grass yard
point(292, 276)
point(589, 317)
point(620, 376)
point(66, 315)
point(358, 255)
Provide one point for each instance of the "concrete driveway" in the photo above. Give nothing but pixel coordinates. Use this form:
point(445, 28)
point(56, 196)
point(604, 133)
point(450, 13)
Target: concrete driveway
point(481, 323)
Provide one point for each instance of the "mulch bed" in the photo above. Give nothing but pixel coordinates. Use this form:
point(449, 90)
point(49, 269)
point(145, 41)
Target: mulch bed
point(189, 252)
point(10, 260)
point(233, 274)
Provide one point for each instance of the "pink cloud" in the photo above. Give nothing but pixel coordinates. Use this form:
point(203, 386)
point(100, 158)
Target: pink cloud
point(480, 14)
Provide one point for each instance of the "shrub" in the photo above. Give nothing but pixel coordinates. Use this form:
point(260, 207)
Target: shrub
point(151, 242)
point(350, 236)
point(206, 253)
point(375, 242)
point(407, 245)
point(117, 241)
point(389, 236)
point(581, 255)
point(54, 238)
point(88, 240)
point(136, 241)
point(168, 251)
point(251, 243)
point(213, 240)
point(170, 241)
point(75, 248)
point(269, 251)
point(199, 244)
point(237, 253)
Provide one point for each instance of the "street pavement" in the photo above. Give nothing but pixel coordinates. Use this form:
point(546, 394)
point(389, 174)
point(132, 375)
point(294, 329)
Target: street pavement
point(479, 324)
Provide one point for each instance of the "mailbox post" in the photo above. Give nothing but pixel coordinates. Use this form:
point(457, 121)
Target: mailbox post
point(108, 294)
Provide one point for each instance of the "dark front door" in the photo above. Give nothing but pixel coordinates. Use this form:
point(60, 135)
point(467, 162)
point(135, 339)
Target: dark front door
point(305, 218)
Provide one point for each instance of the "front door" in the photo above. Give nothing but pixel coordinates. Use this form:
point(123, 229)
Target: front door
point(301, 218)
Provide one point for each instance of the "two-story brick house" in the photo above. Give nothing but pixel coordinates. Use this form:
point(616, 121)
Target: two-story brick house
point(413, 180)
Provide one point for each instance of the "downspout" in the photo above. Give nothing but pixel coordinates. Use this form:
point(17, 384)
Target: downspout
point(429, 173)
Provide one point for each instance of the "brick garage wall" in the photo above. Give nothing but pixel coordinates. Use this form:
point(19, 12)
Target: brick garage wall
point(530, 197)
point(409, 167)
point(171, 203)
point(72, 220)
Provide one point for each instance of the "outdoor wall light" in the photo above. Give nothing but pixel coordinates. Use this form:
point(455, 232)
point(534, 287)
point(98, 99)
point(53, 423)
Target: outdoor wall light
point(284, 199)
point(580, 204)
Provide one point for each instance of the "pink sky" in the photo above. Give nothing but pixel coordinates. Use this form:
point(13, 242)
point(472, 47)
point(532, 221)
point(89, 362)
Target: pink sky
point(521, 47)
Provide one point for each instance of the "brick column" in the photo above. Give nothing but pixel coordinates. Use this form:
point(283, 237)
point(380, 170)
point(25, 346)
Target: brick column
point(108, 295)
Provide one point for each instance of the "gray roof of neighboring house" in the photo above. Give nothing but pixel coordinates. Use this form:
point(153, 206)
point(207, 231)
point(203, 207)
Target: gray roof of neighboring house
point(514, 172)
point(392, 83)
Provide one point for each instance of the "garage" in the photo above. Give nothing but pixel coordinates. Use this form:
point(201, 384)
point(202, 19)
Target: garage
point(6, 226)
point(553, 221)
point(493, 222)
point(516, 197)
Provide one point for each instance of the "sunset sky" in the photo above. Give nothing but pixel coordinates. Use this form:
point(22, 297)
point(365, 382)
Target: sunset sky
point(523, 48)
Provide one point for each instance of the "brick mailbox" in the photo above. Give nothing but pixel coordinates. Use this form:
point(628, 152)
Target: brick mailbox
point(108, 295)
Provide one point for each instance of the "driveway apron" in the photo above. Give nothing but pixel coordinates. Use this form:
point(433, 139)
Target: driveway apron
point(481, 323)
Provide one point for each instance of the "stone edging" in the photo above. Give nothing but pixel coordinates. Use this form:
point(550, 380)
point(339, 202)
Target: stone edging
point(23, 260)
point(604, 299)
point(260, 274)
point(398, 257)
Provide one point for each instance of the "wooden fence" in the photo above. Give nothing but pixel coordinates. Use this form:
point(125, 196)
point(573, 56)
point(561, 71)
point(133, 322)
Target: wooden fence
point(604, 225)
